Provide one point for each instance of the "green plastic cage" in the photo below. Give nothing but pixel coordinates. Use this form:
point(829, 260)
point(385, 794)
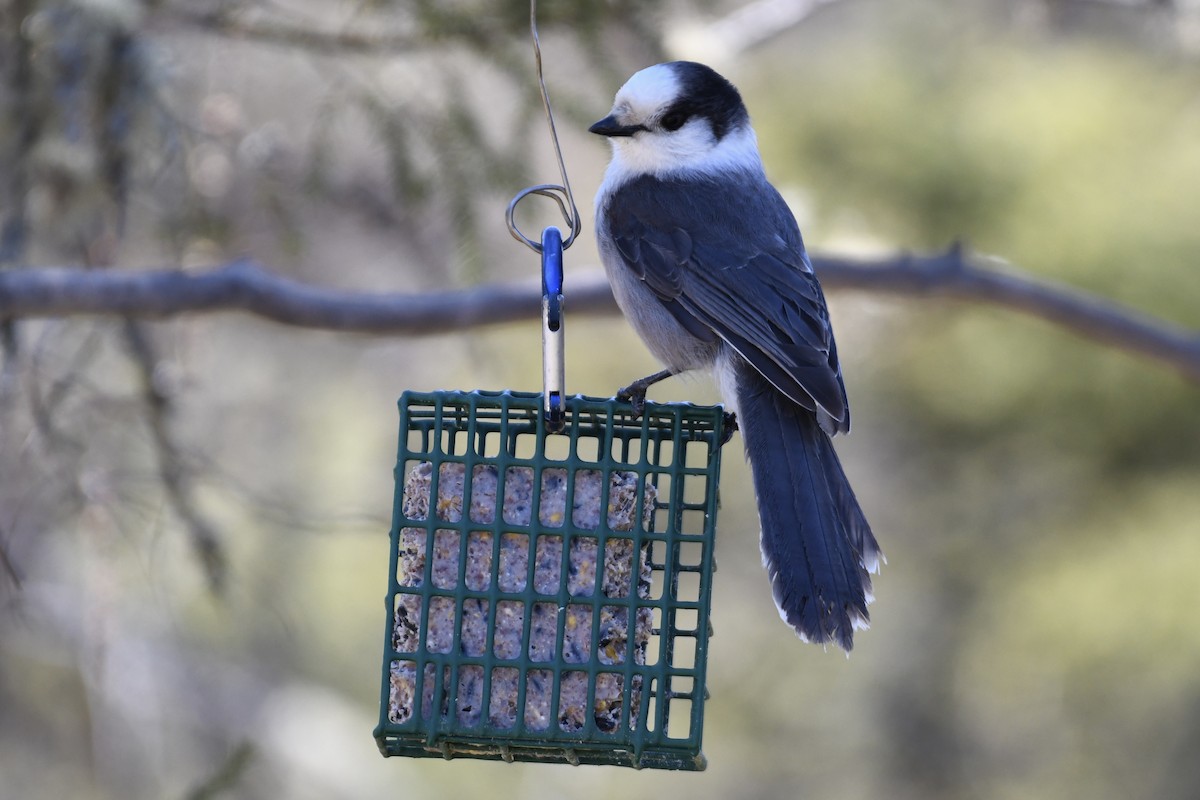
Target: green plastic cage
point(549, 593)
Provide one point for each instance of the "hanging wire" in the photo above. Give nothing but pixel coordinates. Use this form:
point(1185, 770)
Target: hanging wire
point(560, 194)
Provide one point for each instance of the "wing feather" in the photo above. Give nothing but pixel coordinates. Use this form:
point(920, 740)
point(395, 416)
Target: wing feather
point(753, 288)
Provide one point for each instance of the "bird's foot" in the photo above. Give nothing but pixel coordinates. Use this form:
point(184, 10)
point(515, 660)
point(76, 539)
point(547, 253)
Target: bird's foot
point(635, 393)
point(730, 424)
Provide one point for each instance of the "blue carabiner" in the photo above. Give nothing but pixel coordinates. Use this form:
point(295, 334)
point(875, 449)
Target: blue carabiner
point(552, 273)
point(553, 366)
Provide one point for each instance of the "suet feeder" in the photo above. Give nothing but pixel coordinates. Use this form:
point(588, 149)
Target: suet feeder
point(525, 625)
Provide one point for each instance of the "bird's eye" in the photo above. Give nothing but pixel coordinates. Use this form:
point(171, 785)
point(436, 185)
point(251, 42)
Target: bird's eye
point(673, 120)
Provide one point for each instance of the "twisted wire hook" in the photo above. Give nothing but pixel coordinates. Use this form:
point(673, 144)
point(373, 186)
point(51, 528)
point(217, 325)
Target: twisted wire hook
point(561, 194)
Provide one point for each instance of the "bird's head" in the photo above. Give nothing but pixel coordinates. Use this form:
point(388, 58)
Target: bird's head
point(679, 116)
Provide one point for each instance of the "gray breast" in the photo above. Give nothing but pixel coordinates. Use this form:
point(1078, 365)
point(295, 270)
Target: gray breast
point(668, 341)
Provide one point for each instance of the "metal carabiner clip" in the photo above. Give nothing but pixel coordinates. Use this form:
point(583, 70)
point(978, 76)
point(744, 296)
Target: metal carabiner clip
point(553, 361)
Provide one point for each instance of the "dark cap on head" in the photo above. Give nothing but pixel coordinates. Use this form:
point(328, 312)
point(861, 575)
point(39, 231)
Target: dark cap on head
point(705, 93)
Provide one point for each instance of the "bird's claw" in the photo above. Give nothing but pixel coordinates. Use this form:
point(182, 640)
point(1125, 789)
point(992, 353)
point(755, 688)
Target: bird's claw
point(635, 395)
point(728, 426)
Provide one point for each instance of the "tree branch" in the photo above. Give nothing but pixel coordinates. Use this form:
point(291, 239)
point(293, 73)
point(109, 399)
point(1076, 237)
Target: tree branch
point(244, 286)
point(952, 275)
point(57, 292)
point(266, 30)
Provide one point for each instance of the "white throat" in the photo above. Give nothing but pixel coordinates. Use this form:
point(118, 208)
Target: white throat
point(687, 150)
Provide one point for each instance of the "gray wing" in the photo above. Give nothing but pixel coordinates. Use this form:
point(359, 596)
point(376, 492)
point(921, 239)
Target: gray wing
point(726, 257)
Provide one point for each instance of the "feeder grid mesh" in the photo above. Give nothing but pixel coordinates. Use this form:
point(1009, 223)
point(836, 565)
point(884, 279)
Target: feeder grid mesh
point(519, 630)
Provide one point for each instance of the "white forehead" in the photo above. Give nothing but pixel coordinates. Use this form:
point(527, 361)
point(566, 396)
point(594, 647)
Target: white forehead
point(649, 90)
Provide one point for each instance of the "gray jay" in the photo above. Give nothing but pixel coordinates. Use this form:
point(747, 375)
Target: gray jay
point(707, 263)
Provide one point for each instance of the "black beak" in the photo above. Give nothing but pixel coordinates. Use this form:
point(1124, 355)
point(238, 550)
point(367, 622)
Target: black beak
point(610, 127)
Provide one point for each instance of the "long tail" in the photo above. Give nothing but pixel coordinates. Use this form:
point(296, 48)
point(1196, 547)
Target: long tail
point(816, 544)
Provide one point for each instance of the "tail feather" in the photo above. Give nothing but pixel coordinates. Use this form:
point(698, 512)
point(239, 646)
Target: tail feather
point(816, 543)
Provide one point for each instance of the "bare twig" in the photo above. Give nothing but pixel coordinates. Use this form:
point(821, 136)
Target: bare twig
point(290, 34)
point(206, 542)
point(6, 562)
point(244, 286)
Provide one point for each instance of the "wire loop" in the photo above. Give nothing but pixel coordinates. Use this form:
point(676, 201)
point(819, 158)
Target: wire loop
point(561, 194)
point(556, 193)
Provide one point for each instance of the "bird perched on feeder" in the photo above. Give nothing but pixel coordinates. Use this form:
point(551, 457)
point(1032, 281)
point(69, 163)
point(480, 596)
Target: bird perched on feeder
point(707, 263)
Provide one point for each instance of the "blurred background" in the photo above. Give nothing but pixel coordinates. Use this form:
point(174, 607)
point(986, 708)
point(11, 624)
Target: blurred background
point(193, 512)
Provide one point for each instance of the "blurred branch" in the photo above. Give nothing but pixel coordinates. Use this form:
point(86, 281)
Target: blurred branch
point(230, 23)
point(951, 274)
point(244, 286)
point(228, 775)
point(9, 568)
point(55, 292)
point(171, 468)
point(758, 22)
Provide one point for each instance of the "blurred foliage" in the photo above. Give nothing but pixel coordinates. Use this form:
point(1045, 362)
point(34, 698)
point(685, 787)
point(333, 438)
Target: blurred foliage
point(1034, 493)
point(1056, 478)
point(1075, 159)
